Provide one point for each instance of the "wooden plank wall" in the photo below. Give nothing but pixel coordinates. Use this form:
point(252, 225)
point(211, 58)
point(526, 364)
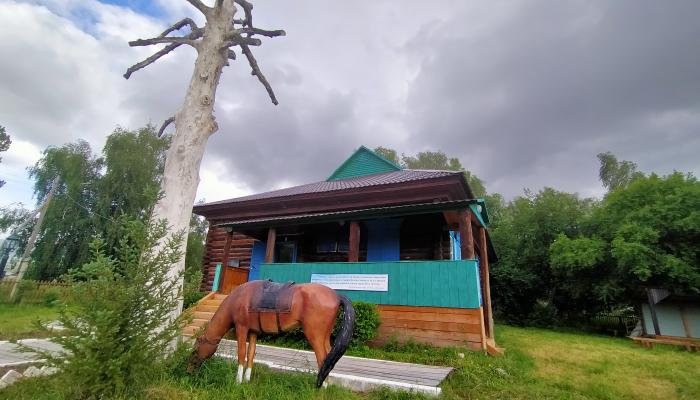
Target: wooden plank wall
point(241, 249)
point(439, 326)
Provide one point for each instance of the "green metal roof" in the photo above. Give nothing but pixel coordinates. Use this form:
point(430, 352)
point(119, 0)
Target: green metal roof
point(361, 163)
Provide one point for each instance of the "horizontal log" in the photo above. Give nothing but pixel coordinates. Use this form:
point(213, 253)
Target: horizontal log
point(464, 319)
point(429, 335)
point(431, 325)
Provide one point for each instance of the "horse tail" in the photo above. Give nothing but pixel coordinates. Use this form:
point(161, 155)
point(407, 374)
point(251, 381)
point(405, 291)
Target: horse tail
point(341, 342)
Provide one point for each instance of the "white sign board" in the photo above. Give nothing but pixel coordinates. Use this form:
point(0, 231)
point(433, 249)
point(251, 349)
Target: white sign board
point(368, 282)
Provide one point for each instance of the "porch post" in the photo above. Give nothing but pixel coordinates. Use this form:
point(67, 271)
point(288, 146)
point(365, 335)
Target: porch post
point(486, 292)
point(354, 242)
point(466, 235)
point(270, 250)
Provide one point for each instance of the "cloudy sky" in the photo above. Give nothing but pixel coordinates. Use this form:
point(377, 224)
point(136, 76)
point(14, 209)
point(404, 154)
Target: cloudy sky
point(525, 93)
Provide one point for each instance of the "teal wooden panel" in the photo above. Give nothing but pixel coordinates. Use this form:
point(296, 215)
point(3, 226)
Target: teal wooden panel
point(692, 314)
point(363, 162)
point(411, 283)
point(670, 321)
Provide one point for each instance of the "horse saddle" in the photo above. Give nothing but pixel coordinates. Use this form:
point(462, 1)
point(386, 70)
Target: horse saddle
point(269, 301)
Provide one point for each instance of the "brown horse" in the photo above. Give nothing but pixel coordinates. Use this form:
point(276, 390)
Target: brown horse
point(261, 306)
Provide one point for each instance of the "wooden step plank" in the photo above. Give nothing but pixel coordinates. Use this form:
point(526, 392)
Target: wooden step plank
point(203, 314)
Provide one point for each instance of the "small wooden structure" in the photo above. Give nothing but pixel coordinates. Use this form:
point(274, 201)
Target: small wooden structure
point(670, 318)
point(414, 242)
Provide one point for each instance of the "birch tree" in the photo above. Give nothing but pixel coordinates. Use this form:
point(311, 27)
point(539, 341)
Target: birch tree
point(224, 36)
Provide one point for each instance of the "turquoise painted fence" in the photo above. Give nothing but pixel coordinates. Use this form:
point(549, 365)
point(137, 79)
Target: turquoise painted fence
point(411, 283)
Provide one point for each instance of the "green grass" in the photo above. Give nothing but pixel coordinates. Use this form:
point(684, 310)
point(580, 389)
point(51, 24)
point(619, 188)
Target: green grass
point(539, 364)
point(17, 321)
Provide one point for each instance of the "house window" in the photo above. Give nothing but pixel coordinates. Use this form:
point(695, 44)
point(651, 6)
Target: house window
point(286, 252)
point(332, 243)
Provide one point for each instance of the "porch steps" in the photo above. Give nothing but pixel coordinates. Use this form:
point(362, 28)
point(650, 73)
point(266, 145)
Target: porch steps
point(202, 312)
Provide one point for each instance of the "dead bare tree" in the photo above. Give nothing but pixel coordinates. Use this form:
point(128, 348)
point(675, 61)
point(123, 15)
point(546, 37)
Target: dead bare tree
point(216, 43)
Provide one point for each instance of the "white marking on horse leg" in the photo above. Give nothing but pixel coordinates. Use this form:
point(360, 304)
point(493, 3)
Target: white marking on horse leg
point(247, 374)
point(239, 374)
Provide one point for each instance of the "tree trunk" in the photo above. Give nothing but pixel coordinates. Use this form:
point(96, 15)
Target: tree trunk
point(194, 123)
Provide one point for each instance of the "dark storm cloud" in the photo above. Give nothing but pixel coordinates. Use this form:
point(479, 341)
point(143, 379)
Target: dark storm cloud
point(530, 100)
point(525, 93)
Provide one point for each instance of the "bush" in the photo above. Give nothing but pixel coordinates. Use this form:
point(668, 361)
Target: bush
point(367, 323)
point(51, 297)
point(119, 327)
point(191, 297)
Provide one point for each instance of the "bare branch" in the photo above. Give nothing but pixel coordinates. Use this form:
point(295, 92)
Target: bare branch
point(235, 39)
point(200, 6)
point(150, 60)
point(195, 34)
point(165, 125)
point(248, 10)
point(178, 25)
point(158, 40)
point(256, 71)
point(263, 32)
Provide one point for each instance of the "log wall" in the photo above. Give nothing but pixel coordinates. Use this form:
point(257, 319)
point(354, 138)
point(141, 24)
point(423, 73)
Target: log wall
point(438, 326)
point(241, 249)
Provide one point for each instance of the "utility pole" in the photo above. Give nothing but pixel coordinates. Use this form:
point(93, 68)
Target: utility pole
point(24, 261)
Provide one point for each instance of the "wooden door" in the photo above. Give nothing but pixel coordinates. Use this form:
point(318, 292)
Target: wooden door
point(233, 277)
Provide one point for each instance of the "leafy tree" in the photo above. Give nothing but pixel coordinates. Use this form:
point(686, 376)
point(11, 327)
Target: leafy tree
point(133, 167)
point(5, 143)
point(389, 154)
point(94, 194)
point(436, 160)
point(644, 235)
point(118, 327)
point(616, 174)
point(68, 224)
point(523, 231)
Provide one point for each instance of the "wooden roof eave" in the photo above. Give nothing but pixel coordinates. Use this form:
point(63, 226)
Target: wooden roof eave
point(445, 188)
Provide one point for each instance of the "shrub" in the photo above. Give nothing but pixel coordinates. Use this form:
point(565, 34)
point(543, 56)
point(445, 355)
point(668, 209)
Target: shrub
point(119, 327)
point(191, 297)
point(51, 297)
point(367, 323)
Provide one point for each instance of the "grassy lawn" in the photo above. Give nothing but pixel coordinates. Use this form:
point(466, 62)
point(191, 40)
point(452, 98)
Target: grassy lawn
point(539, 364)
point(17, 320)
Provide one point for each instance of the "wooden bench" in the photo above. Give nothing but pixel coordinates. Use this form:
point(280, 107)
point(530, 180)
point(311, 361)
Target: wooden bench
point(689, 343)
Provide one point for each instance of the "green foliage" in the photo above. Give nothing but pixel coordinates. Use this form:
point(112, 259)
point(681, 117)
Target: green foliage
point(5, 143)
point(133, 166)
point(522, 233)
point(94, 193)
point(436, 160)
point(15, 219)
point(644, 234)
point(616, 174)
point(196, 241)
point(389, 154)
point(119, 325)
point(367, 323)
point(68, 224)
